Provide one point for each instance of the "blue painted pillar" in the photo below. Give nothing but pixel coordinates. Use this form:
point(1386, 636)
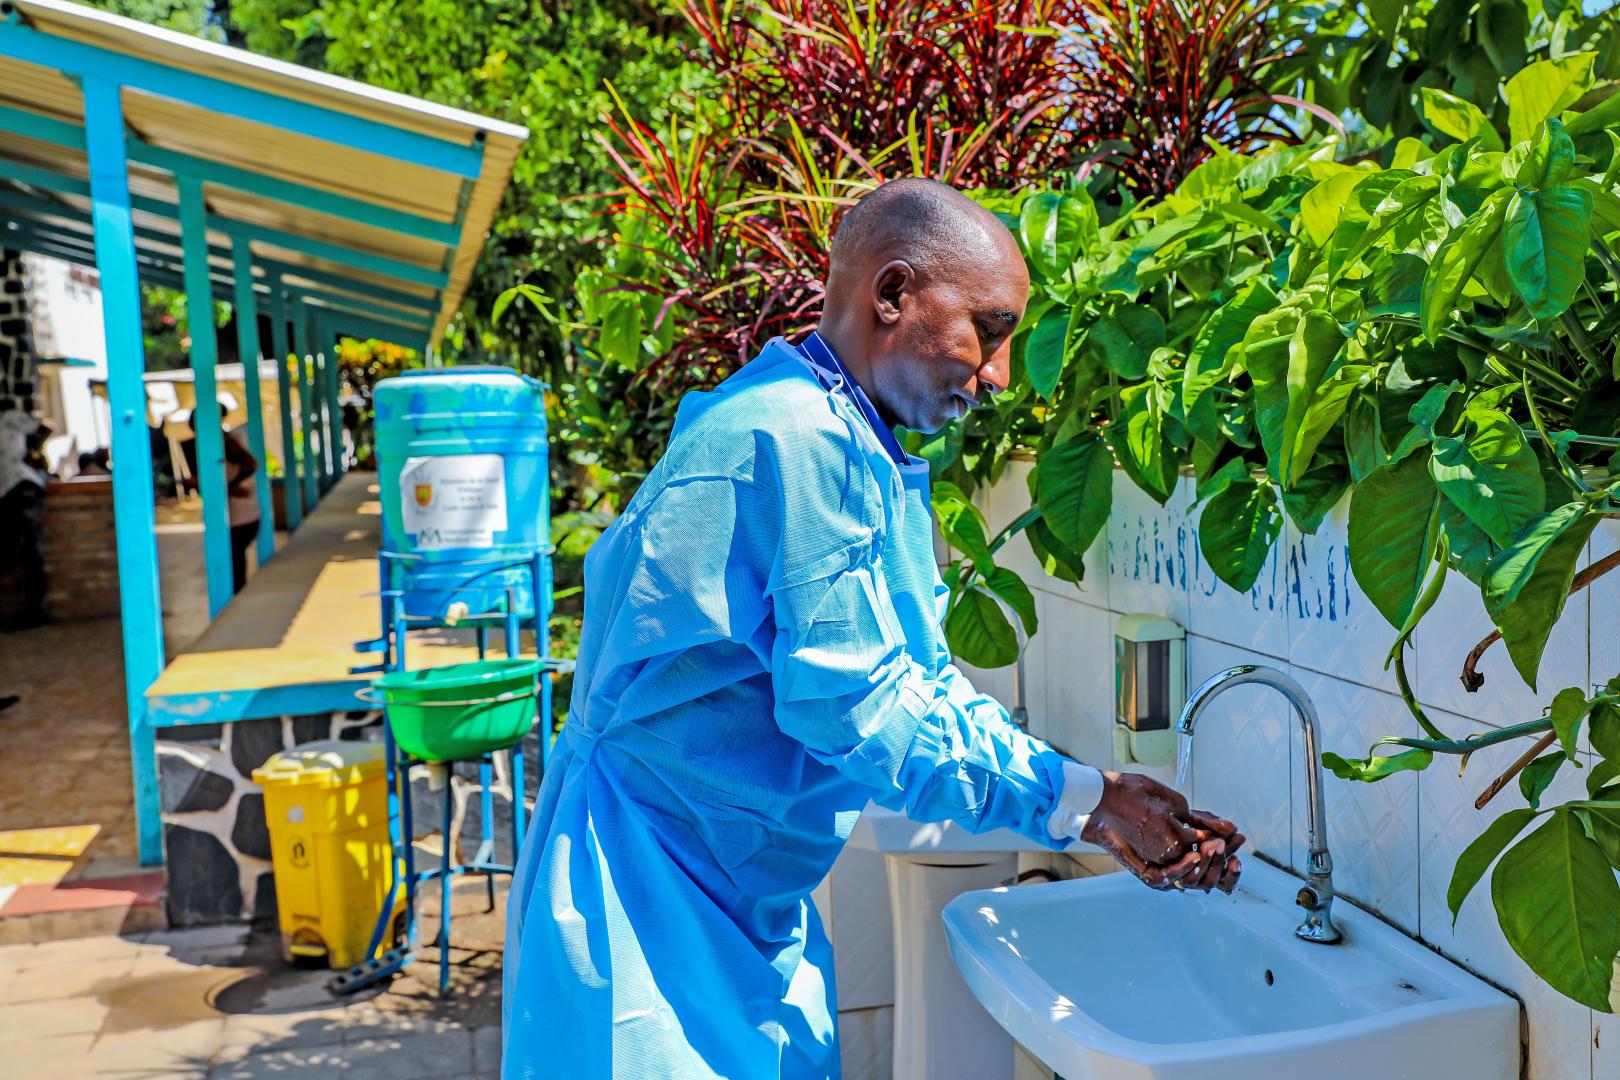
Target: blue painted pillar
point(289, 439)
point(247, 347)
point(306, 401)
point(141, 606)
point(205, 414)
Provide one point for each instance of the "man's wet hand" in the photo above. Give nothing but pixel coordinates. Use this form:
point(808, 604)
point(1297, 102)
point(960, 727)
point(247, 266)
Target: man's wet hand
point(1150, 829)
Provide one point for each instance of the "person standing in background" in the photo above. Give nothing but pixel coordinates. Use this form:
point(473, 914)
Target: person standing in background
point(240, 465)
point(22, 508)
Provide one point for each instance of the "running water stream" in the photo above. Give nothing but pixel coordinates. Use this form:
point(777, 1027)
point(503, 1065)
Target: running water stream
point(1183, 762)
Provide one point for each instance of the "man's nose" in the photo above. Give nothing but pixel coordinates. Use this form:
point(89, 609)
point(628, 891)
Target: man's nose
point(995, 373)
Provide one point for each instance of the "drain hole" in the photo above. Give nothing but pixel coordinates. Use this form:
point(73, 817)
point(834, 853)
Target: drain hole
point(1270, 978)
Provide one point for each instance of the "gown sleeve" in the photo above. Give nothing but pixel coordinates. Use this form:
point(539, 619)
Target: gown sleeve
point(849, 689)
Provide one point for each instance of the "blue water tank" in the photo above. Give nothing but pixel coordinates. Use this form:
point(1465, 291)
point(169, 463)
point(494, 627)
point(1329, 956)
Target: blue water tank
point(461, 462)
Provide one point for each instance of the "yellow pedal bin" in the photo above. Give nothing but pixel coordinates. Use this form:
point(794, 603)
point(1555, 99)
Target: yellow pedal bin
point(326, 806)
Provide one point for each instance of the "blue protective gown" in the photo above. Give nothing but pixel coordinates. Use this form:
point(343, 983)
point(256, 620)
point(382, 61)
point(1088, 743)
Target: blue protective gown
point(761, 654)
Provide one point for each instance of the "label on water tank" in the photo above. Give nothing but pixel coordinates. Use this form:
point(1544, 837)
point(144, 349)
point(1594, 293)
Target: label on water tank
point(454, 501)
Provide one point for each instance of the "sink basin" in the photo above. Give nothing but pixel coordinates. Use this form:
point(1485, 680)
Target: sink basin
point(892, 833)
point(1102, 977)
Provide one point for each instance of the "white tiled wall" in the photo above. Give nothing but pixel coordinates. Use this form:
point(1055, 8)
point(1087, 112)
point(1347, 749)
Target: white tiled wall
point(1394, 843)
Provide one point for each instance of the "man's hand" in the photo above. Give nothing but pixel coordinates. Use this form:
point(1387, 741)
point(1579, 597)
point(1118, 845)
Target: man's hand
point(1150, 829)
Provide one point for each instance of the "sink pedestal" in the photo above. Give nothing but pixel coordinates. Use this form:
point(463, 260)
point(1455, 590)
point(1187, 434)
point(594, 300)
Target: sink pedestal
point(941, 1032)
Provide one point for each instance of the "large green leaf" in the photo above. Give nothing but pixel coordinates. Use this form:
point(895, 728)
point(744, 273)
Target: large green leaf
point(1309, 501)
point(1321, 207)
point(1237, 529)
point(1491, 473)
point(1545, 239)
point(1046, 350)
point(1054, 226)
point(1478, 856)
point(1602, 115)
point(1287, 373)
point(1602, 824)
point(1537, 776)
point(1214, 353)
point(1569, 708)
point(1527, 583)
point(1603, 730)
point(1460, 119)
point(1357, 213)
point(1370, 770)
point(1322, 411)
point(1599, 776)
point(961, 523)
point(978, 632)
point(1471, 550)
point(1559, 907)
point(1011, 588)
point(1406, 200)
point(1394, 517)
point(620, 341)
point(1457, 260)
point(1501, 27)
point(1074, 485)
point(1544, 90)
point(1056, 558)
point(1138, 438)
point(1363, 435)
point(1127, 339)
point(1545, 162)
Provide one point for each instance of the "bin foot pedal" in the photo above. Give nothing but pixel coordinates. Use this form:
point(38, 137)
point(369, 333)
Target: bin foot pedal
point(370, 971)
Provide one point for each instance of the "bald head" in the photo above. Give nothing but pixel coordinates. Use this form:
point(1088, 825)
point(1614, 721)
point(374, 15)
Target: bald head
point(924, 290)
point(927, 223)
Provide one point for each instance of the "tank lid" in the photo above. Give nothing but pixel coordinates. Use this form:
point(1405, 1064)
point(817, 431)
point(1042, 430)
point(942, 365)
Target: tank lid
point(458, 369)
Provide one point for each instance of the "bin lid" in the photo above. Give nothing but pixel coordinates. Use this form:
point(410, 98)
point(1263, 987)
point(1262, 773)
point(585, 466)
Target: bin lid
point(328, 763)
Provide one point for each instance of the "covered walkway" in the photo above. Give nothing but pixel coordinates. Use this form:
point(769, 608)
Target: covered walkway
point(316, 206)
point(285, 645)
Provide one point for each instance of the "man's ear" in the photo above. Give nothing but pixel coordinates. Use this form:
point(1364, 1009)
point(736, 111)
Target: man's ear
point(892, 287)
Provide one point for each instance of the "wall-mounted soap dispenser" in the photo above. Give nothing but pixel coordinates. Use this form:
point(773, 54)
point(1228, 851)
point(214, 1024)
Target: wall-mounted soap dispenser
point(1150, 687)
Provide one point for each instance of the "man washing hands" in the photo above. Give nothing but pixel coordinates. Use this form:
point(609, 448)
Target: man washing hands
point(1149, 829)
point(761, 654)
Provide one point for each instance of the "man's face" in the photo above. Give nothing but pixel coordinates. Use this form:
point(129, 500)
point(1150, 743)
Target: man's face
point(943, 344)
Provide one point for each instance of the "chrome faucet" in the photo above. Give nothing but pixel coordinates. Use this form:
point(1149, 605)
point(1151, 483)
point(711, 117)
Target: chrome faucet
point(1317, 895)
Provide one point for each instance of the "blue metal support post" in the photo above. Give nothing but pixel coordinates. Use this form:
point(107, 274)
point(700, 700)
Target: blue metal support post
point(205, 416)
point(247, 347)
point(141, 607)
point(306, 402)
point(289, 440)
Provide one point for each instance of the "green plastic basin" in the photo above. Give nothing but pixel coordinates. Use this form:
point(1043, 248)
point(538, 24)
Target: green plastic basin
point(460, 710)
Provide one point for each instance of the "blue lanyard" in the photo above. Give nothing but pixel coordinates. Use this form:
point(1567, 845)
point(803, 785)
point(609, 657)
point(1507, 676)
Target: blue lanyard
point(820, 354)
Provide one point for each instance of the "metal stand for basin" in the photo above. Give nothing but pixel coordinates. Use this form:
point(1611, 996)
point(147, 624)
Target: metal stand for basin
point(397, 625)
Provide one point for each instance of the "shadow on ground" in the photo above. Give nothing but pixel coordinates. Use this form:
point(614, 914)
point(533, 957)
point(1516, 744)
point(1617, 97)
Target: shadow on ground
point(221, 1002)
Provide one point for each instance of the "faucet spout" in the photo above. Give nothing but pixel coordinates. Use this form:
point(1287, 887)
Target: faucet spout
point(1317, 896)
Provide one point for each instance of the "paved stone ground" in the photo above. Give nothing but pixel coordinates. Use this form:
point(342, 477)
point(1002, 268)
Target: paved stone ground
point(219, 1003)
point(67, 741)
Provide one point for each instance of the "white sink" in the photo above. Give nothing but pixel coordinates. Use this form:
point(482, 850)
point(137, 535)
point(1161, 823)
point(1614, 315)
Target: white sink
point(1102, 978)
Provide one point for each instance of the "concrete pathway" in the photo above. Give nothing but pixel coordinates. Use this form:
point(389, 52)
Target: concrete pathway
point(67, 807)
point(220, 1003)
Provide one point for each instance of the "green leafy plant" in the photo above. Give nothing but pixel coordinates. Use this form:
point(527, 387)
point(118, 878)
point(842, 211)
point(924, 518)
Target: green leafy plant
point(1435, 337)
